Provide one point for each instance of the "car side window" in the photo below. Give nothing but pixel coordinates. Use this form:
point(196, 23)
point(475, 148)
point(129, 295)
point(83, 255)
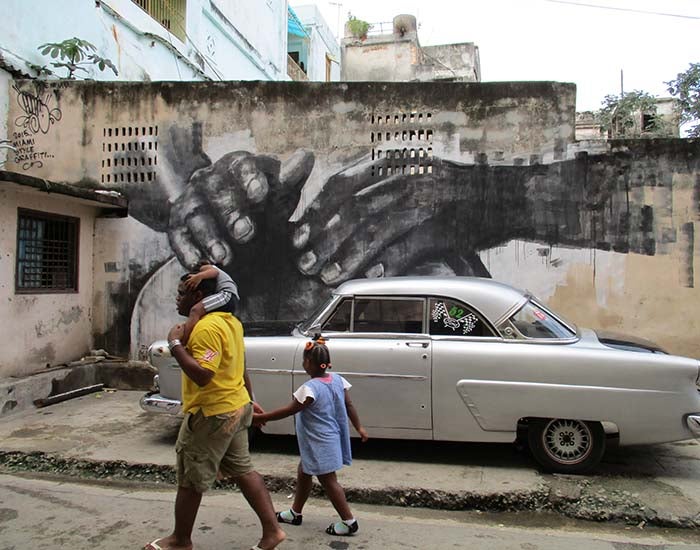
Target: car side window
point(339, 321)
point(452, 318)
point(388, 315)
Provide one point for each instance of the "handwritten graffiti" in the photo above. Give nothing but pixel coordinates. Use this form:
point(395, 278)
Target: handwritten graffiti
point(25, 151)
point(38, 116)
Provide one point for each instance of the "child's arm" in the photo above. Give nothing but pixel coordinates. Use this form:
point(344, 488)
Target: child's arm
point(197, 311)
point(354, 417)
point(283, 412)
point(205, 272)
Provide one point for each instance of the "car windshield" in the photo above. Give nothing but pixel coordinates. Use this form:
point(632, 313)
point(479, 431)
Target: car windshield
point(534, 321)
point(306, 325)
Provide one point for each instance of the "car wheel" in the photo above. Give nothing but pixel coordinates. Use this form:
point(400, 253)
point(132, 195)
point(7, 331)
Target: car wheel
point(566, 446)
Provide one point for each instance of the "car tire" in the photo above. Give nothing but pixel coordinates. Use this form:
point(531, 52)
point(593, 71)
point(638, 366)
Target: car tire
point(566, 446)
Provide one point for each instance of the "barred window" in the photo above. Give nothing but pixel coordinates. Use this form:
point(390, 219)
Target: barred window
point(169, 13)
point(47, 252)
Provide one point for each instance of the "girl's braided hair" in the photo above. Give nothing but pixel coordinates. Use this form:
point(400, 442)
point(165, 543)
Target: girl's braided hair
point(317, 352)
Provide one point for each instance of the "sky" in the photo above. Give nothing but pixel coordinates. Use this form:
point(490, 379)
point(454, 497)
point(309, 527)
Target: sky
point(560, 40)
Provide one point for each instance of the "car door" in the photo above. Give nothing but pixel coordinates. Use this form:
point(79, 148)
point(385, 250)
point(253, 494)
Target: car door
point(380, 345)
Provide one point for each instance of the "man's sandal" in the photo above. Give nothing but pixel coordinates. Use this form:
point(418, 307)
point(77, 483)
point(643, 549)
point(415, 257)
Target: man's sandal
point(290, 517)
point(342, 529)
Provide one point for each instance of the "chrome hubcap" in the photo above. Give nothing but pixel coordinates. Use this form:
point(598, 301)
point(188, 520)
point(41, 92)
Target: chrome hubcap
point(567, 441)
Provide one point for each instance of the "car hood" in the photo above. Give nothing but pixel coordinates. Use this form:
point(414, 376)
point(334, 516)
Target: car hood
point(625, 341)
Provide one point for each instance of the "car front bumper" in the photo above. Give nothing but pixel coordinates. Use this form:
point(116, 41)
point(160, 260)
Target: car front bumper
point(693, 422)
point(156, 403)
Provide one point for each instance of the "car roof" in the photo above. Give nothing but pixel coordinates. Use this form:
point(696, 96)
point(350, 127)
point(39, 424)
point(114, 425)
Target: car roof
point(491, 298)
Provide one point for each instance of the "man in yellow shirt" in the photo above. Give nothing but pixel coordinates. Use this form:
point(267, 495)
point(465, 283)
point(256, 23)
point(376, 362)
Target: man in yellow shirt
point(218, 412)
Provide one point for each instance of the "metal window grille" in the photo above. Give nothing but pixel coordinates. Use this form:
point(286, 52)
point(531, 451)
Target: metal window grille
point(169, 13)
point(47, 252)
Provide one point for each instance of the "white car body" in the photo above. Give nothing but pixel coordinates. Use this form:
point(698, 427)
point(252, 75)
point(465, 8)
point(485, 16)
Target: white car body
point(472, 359)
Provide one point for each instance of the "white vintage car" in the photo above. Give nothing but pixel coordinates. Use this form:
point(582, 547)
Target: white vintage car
point(470, 359)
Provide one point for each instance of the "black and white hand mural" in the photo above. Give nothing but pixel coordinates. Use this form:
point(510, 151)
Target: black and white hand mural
point(293, 189)
point(237, 211)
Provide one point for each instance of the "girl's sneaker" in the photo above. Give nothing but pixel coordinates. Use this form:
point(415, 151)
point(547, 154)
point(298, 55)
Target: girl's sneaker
point(289, 516)
point(343, 528)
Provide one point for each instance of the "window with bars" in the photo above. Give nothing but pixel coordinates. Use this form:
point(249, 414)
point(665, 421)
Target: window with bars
point(169, 13)
point(47, 252)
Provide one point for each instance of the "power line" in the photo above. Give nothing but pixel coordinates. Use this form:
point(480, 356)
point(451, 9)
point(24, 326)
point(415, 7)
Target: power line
point(623, 9)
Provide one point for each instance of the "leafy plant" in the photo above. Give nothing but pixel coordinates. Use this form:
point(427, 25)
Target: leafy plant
point(358, 27)
point(686, 87)
point(74, 55)
point(623, 116)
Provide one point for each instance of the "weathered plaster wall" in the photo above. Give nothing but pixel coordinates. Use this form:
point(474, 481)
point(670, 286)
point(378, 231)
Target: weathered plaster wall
point(379, 60)
point(49, 328)
point(296, 187)
point(5, 82)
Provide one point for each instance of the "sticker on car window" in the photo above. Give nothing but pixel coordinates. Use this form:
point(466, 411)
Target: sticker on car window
point(541, 316)
point(454, 319)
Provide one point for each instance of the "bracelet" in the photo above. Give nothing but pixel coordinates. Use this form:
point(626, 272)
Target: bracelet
point(173, 343)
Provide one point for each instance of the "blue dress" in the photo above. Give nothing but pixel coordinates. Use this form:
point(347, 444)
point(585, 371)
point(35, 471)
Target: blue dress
point(322, 428)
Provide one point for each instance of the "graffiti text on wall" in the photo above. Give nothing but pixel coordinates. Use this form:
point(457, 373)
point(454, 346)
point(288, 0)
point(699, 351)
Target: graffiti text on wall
point(38, 118)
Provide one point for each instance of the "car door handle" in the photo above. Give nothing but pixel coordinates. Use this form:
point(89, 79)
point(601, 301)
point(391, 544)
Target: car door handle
point(417, 344)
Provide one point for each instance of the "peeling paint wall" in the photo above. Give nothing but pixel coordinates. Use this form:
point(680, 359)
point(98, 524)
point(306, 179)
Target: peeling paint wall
point(44, 328)
point(296, 187)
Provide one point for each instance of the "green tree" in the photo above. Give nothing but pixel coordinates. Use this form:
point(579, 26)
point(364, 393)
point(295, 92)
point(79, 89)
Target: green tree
point(686, 88)
point(74, 55)
point(631, 115)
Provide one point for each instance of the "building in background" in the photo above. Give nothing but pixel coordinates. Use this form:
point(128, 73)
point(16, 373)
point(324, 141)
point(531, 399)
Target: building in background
point(390, 52)
point(664, 123)
point(312, 46)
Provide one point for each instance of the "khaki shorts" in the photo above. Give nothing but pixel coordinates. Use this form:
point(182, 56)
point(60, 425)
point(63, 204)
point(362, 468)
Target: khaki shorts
point(208, 444)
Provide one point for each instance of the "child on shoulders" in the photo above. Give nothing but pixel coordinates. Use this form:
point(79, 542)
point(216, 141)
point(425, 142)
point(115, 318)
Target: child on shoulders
point(225, 299)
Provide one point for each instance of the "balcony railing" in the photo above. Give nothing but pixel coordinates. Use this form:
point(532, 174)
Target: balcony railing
point(294, 71)
point(169, 13)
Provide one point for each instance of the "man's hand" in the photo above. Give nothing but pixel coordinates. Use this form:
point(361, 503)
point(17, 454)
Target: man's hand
point(257, 422)
point(257, 409)
point(177, 332)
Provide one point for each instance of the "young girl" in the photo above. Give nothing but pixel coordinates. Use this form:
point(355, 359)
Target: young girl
point(322, 407)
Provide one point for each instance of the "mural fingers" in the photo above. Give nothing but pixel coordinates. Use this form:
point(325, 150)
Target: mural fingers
point(184, 247)
point(204, 232)
point(360, 249)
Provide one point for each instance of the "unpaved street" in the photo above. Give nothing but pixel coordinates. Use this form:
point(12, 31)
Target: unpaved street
point(42, 513)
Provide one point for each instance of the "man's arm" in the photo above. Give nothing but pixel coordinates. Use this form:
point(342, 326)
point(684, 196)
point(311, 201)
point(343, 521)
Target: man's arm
point(249, 386)
point(189, 365)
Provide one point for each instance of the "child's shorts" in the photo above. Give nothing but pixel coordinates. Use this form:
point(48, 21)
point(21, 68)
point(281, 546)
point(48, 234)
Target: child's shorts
point(208, 444)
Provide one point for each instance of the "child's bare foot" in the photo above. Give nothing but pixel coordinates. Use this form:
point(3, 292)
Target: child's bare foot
point(271, 540)
point(168, 543)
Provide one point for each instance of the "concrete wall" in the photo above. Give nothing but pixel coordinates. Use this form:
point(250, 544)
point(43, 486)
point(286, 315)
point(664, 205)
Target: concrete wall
point(225, 39)
point(296, 187)
point(48, 328)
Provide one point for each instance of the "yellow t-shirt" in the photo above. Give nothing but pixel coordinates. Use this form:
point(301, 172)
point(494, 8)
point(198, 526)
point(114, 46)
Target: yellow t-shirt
point(216, 343)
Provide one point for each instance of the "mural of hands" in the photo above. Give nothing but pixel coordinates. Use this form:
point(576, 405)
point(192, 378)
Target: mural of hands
point(239, 200)
point(364, 226)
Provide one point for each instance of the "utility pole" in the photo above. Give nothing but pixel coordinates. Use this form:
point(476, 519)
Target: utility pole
point(622, 84)
point(339, 5)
